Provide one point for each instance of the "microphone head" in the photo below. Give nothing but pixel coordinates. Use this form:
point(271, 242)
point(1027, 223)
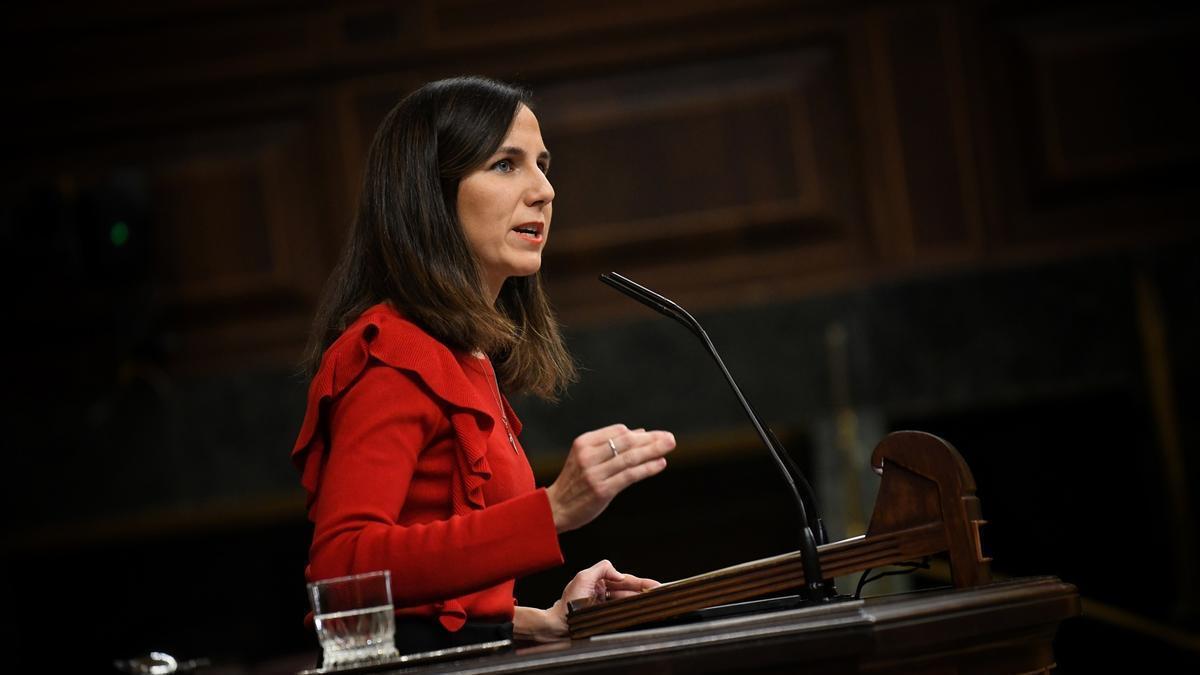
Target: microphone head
point(649, 298)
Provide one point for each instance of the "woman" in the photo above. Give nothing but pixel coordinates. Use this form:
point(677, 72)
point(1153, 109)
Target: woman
point(409, 450)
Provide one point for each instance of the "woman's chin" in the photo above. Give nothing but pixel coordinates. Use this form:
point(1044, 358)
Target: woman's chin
point(528, 269)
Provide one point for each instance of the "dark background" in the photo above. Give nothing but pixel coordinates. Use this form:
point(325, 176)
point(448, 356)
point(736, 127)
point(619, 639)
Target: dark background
point(976, 219)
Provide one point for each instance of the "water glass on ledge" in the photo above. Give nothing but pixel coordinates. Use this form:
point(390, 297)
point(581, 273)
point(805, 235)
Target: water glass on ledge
point(354, 618)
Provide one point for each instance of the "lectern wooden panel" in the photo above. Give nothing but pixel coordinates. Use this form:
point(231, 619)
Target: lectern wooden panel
point(1005, 627)
point(926, 505)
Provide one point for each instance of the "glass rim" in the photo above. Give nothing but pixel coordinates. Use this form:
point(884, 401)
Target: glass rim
point(353, 577)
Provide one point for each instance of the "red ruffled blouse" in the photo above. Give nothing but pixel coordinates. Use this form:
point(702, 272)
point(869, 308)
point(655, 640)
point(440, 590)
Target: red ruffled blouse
point(408, 468)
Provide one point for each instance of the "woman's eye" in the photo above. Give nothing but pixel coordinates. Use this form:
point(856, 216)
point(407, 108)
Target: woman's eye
point(545, 168)
point(503, 166)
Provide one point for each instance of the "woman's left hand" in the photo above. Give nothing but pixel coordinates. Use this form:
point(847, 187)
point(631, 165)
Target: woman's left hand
point(601, 581)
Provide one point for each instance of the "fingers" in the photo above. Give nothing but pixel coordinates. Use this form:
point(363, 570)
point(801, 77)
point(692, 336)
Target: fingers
point(592, 582)
point(636, 465)
point(631, 583)
point(608, 573)
point(604, 582)
point(601, 571)
point(633, 449)
point(624, 439)
point(628, 477)
point(599, 437)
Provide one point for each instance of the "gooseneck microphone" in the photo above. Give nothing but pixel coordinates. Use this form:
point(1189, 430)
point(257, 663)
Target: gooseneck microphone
point(805, 501)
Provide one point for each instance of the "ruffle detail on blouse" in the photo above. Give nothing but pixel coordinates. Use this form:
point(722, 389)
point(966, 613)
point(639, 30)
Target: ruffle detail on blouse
point(451, 615)
point(382, 334)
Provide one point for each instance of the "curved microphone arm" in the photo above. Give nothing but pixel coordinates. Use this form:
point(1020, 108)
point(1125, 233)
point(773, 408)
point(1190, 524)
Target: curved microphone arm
point(806, 502)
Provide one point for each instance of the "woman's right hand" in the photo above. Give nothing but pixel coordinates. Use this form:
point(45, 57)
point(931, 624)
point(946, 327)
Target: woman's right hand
point(601, 581)
point(600, 464)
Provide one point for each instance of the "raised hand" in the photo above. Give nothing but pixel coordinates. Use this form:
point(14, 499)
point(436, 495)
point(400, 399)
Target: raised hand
point(600, 465)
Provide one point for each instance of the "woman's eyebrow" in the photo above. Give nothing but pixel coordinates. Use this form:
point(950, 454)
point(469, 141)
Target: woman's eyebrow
point(519, 152)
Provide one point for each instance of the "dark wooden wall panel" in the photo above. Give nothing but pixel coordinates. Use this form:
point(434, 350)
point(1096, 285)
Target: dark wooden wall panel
point(678, 142)
point(922, 54)
point(243, 255)
point(228, 233)
point(216, 215)
point(726, 152)
point(1092, 127)
point(101, 50)
point(691, 164)
point(475, 21)
point(1108, 100)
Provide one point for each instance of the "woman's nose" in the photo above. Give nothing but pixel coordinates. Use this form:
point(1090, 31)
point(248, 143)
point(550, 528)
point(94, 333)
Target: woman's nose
point(541, 192)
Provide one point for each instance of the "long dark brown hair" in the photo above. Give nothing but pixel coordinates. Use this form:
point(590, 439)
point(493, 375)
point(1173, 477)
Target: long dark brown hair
point(408, 248)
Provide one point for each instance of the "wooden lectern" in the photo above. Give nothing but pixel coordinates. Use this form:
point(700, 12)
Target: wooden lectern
point(1001, 628)
point(926, 505)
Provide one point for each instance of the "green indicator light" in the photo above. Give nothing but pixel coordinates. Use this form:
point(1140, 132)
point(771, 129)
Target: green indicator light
point(119, 233)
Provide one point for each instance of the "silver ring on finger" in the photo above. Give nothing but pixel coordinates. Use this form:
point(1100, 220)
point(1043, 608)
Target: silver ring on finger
point(613, 446)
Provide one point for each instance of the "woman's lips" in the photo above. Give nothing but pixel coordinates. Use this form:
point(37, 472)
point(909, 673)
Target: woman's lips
point(530, 231)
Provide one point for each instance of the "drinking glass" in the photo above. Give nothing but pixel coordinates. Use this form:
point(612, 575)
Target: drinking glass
point(354, 617)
